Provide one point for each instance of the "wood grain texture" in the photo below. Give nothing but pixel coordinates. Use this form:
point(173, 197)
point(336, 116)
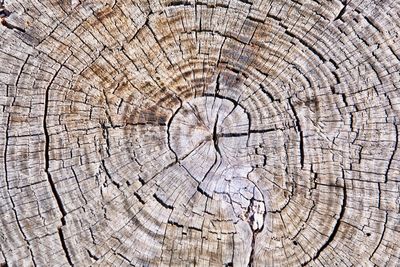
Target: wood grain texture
point(199, 133)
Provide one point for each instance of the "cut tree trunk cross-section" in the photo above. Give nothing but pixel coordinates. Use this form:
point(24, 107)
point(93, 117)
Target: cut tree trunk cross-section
point(199, 133)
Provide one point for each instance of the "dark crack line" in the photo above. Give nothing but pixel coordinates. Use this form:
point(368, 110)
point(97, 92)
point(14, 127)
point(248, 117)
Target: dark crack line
point(250, 132)
point(64, 246)
point(47, 166)
point(20, 72)
point(47, 150)
point(106, 137)
point(169, 134)
point(108, 174)
point(207, 173)
point(218, 84)
point(162, 202)
point(7, 137)
point(301, 145)
point(393, 153)
point(335, 228)
point(233, 134)
point(94, 257)
point(268, 94)
point(235, 105)
point(124, 258)
point(5, 263)
point(79, 186)
point(215, 137)
point(342, 11)
point(191, 151)
point(165, 234)
point(177, 4)
point(196, 113)
point(381, 238)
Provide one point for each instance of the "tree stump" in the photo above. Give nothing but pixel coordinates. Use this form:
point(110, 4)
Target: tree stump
point(199, 133)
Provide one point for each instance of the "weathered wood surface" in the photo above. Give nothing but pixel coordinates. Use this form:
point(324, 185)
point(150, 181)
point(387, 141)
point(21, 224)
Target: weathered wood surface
point(199, 133)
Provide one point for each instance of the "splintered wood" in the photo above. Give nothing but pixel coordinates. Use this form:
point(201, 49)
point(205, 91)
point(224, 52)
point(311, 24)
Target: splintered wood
point(199, 133)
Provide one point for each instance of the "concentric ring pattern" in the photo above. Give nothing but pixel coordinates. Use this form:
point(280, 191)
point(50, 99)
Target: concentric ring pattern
point(200, 133)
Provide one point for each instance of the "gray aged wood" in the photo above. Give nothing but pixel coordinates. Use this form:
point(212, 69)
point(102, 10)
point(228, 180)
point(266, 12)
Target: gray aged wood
point(199, 133)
